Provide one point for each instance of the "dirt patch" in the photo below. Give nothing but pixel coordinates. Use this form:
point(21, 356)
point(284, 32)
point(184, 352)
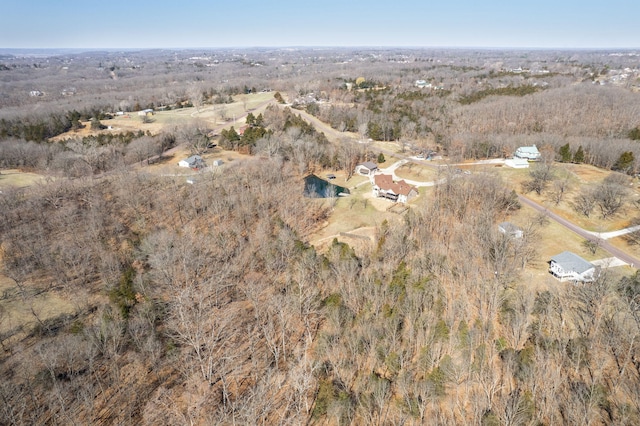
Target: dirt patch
point(587, 173)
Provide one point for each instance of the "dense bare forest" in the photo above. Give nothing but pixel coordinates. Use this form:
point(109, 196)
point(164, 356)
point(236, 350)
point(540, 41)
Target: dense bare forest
point(207, 303)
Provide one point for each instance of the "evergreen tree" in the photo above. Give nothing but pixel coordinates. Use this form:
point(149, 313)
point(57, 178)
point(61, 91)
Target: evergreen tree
point(229, 138)
point(251, 119)
point(279, 97)
point(565, 153)
point(578, 157)
point(625, 162)
point(96, 124)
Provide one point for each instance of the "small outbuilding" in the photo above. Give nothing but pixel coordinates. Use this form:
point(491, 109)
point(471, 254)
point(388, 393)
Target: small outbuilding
point(510, 230)
point(366, 169)
point(568, 266)
point(146, 112)
point(516, 163)
point(217, 162)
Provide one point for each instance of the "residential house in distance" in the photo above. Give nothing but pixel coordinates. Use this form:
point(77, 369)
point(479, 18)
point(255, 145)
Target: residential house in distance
point(68, 91)
point(568, 266)
point(34, 93)
point(385, 187)
point(510, 230)
point(194, 162)
point(145, 112)
point(366, 169)
point(530, 153)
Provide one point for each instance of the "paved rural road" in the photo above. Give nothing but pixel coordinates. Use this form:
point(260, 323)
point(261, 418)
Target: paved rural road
point(335, 136)
point(631, 260)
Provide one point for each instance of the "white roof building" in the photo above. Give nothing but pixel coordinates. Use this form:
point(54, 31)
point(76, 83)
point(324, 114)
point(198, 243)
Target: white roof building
point(568, 266)
point(528, 153)
point(194, 161)
point(516, 163)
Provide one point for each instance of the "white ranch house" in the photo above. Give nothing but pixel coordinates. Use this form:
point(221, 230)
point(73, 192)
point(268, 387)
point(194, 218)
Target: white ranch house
point(568, 266)
point(528, 153)
point(193, 162)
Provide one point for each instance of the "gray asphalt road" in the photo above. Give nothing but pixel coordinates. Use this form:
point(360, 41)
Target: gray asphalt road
point(620, 254)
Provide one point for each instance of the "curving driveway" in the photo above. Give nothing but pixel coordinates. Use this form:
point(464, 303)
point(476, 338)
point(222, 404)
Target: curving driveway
point(391, 170)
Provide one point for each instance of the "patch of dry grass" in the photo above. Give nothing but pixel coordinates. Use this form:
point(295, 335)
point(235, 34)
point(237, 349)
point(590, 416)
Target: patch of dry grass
point(13, 178)
point(580, 176)
point(622, 244)
point(162, 120)
point(390, 146)
point(169, 165)
point(417, 172)
point(22, 312)
point(358, 210)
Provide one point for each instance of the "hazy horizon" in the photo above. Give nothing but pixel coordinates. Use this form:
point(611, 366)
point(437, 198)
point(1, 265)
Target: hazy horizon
point(498, 24)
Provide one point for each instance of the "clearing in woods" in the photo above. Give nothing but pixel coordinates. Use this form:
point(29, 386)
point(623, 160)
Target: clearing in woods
point(219, 115)
point(14, 178)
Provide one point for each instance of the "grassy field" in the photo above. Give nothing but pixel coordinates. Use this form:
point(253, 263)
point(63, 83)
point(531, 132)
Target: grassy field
point(417, 172)
point(13, 178)
point(161, 120)
point(20, 313)
point(579, 176)
point(359, 213)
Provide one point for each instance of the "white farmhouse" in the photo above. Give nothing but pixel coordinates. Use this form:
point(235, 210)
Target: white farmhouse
point(194, 162)
point(568, 266)
point(528, 153)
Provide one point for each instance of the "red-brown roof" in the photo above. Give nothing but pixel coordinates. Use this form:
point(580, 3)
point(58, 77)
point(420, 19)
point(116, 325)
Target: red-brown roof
point(386, 183)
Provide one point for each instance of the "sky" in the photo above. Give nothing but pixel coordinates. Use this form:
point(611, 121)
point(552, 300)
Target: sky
point(136, 24)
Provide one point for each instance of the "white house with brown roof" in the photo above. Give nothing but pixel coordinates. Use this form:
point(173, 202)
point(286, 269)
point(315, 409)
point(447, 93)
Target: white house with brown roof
point(385, 187)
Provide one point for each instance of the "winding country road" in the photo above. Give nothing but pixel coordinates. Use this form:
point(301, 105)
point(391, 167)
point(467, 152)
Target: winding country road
point(631, 260)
